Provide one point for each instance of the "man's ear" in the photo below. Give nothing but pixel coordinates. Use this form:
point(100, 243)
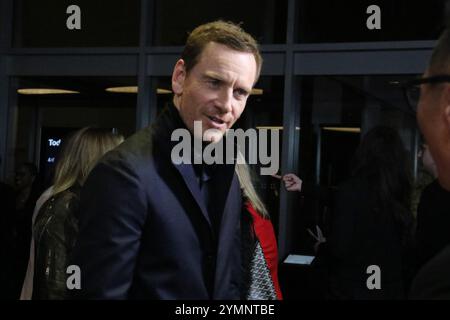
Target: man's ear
point(178, 77)
point(446, 110)
point(447, 107)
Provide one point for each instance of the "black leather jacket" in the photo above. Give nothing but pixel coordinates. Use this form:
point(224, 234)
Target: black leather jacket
point(55, 233)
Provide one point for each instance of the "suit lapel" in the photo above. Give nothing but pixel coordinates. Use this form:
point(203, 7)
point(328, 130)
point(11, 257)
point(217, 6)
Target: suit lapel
point(229, 237)
point(190, 179)
point(228, 252)
point(168, 121)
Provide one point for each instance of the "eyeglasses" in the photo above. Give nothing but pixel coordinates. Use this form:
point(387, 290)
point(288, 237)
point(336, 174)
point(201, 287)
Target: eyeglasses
point(412, 88)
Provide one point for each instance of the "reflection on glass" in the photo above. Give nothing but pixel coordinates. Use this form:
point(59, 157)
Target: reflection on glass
point(44, 116)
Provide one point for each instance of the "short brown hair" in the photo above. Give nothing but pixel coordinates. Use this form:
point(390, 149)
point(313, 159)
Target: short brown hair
point(440, 59)
point(222, 32)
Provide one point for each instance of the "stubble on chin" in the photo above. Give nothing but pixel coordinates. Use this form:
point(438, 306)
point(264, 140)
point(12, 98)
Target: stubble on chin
point(212, 135)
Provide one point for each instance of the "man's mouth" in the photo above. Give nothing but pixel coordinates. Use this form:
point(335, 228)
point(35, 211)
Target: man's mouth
point(216, 120)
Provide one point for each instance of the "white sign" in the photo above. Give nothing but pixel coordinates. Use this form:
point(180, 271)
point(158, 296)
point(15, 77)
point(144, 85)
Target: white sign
point(54, 143)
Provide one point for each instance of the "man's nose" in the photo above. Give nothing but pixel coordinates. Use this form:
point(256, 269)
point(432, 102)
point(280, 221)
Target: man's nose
point(225, 100)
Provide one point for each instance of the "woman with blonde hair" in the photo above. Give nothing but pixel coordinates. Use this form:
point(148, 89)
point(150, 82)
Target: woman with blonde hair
point(260, 253)
point(55, 227)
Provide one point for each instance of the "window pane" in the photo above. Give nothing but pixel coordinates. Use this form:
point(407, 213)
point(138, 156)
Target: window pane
point(52, 116)
point(265, 20)
point(114, 23)
point(336, 111)
point(338, 21)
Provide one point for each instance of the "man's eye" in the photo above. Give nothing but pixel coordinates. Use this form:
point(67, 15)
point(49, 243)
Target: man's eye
point(240, 93)
point(213, 83)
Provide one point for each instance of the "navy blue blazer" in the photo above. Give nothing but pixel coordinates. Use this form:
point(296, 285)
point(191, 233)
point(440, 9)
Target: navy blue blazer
point(144, 229)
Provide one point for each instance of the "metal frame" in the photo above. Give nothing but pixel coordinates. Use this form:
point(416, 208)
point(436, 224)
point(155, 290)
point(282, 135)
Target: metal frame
point(292, 60)
point(4, 90)
point(290, 121)
point(143, 107)
point(6, 8)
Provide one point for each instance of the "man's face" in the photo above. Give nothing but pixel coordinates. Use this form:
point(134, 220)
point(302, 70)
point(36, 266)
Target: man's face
point(215, 90)
point(433, 115)
point(23, 178)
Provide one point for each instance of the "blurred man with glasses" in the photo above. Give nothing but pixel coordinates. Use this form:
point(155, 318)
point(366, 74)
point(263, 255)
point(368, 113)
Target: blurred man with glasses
point(432, 93)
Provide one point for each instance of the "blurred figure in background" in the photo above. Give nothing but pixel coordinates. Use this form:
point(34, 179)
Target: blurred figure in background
point(27, 287)
point(371, 223)
point(28, 189)
point(25, 179)
point(6, 239)
point(55, 226)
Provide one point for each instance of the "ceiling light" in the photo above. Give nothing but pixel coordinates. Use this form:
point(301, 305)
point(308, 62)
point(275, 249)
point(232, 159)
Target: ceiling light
point(343, 129)
point(45, 91)
point(257, 92)
point(163, 91)
point(134, 89)
point(129, 89)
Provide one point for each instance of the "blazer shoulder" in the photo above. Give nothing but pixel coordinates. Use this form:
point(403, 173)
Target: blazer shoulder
point(135, 150)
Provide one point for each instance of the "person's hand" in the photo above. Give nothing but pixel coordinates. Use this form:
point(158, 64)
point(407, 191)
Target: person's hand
point(319, 238)
point(292, 182)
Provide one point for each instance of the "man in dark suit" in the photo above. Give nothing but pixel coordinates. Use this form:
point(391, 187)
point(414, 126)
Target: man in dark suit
point(153, 229)
point(433, 114)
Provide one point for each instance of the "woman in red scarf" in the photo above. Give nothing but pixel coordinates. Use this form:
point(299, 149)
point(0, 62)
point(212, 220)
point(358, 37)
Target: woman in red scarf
point(259, 243)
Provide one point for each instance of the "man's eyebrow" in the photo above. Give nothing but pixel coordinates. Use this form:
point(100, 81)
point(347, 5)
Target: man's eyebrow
point(213, 75)
point(247, 90)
